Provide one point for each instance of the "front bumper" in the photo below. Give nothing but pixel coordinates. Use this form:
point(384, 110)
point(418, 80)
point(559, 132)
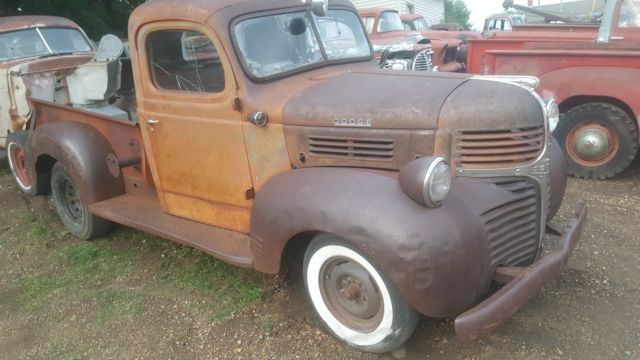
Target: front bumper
point(526, 283)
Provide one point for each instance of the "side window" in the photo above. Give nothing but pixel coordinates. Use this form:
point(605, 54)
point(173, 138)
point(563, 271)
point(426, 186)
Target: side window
point(368, 23)
point(185, 61)
point(629, 14)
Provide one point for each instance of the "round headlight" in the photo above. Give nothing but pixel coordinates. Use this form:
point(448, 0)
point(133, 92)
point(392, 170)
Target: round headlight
point(437, 183)
point(553, 114)
point(398, 66)
point(427, 180)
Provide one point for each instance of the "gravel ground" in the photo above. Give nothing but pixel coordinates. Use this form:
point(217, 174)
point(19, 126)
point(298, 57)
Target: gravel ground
point(591, 312)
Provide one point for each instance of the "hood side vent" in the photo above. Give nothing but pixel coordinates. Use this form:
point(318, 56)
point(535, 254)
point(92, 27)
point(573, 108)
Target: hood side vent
point(351, 148)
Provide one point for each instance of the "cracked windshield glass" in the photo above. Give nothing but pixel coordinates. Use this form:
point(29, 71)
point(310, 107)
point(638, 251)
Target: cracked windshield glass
point(276, 44)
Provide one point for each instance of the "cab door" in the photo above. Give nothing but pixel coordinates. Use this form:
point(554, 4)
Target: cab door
point(192, 133)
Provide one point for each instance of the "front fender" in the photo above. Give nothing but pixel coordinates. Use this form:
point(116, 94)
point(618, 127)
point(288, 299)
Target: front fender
point(83, 150)
point(437, 258)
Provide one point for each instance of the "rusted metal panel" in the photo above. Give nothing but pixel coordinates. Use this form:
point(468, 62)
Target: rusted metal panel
point(306, 199)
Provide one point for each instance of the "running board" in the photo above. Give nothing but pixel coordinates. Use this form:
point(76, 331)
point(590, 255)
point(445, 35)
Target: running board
point(147, 216)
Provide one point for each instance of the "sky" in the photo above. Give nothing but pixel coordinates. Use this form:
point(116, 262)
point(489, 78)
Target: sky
point(480, 9)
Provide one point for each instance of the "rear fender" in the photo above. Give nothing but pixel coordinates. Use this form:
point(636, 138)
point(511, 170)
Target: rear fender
point(83, 151)
point(598, 82)
point(437, 258)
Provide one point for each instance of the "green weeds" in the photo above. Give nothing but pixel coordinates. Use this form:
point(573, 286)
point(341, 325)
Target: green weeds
point(89, 268)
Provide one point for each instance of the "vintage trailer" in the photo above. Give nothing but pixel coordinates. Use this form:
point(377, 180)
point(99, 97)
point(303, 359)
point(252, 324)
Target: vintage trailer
point(264, 124)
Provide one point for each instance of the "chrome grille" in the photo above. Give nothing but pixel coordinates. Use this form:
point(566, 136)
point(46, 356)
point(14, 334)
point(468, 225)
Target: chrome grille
point(423, 61)
point(499, 148)
point(514, 227)
point(342, 147)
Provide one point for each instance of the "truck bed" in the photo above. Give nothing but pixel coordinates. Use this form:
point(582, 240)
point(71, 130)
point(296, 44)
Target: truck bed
point(124, 135)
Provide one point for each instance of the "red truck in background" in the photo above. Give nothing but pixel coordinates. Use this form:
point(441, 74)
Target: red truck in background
point(416, 22)
point(409, 50)
point(591, 71)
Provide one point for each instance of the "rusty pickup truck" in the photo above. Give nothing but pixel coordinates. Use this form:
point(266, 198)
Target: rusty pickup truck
point(262, 124)
point(591, 71)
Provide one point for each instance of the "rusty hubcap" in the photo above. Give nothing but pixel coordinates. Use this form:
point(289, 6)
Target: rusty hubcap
point(592, 144)
point(16, 157)
point(351, 295)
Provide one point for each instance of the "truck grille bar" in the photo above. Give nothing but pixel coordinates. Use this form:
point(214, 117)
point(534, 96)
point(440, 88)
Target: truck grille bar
point(514, 227)
point(367, 149)
point(484, 149)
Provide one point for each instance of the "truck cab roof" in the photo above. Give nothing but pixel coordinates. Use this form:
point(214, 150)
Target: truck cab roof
point(202, 10)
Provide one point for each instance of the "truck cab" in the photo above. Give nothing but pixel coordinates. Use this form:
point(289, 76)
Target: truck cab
point(266, 124)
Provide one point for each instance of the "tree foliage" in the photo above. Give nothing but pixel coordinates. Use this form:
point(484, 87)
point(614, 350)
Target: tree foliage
point(96, 17)
point(456, 11)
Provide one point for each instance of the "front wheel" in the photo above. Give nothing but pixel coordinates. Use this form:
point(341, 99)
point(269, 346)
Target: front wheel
point(600, 140)
point(353, 299)
point(74, 213)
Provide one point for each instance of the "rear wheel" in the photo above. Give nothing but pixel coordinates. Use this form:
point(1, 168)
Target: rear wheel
point(600, 140)
point(16, 144)
point(74, 213)
point(353, 299)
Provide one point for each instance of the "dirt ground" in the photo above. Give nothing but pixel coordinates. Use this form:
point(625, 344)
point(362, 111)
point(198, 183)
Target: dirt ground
point(132, 296)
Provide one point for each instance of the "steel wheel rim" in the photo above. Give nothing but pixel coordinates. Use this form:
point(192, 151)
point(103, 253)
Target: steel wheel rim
point(594, 133)
point(351, 294)
point(16, 161)
point(70, 200)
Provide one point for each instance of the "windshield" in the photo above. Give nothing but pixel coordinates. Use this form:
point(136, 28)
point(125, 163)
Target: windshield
point(629, 14)
point(41, 41)
point(276, 44)
point(420, 24)
point(390, 21)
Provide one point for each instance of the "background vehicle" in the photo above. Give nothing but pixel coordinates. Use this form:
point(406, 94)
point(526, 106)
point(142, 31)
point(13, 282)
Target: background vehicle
point(502, 22)
point(417, 22)
point(387, 33)
point(33, 46)
point(260, 127)
point(590, 72)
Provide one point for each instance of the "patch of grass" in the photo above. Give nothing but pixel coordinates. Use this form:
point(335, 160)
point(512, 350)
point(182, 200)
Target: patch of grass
point(77, 265)
point(63, 352)
point(38, 229)
point(142, 240)
point(229, 288)
point(117, 305)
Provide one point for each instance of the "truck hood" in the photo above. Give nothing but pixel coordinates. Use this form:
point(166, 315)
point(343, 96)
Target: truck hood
point(378, 100)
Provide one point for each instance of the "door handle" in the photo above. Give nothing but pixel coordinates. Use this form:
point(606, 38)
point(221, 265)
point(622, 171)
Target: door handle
point(153, 122)
point(617, 38)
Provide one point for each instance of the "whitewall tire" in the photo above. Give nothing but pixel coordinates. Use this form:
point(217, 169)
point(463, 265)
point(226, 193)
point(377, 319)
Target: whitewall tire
point(353, 299)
